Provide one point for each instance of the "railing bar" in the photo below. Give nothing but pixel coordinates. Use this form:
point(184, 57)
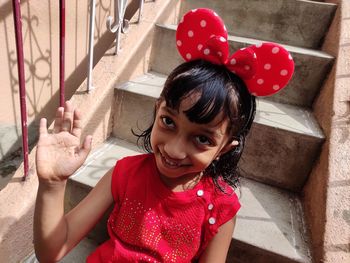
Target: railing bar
point(21, 78)
point(62, 50)
point(91, 44)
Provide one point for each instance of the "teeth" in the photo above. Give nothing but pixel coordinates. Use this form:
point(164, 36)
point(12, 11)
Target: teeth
point(170, 162)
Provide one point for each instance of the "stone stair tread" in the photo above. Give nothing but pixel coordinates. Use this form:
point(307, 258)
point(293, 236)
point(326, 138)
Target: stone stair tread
point(102, 159)
point(286, 117)
point(270, 218)
point(149, 84)
point(253, 41)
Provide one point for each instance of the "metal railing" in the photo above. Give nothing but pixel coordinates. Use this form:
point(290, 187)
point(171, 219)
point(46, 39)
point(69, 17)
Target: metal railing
point(21, 77)
point(118, 25)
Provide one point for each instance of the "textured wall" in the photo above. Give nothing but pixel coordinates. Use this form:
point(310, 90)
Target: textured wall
point(40, 22)
point(327, 193)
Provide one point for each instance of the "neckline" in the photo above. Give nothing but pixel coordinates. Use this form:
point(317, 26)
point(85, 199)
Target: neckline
point(165, 191)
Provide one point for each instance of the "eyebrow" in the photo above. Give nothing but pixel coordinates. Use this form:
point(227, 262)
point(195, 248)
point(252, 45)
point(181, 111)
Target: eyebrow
point(211, 132)
point(170, 110)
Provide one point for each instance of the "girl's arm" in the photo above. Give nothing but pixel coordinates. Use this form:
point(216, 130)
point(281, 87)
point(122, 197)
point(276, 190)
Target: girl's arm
point(218, 247)
point(55, 234)
point(58, 156)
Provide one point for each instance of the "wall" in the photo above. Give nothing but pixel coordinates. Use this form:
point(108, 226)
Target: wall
point(40, 22)
point(327, 192)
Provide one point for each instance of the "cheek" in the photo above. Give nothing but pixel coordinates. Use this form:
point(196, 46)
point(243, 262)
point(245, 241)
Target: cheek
point(204, 159)
point(153, 138)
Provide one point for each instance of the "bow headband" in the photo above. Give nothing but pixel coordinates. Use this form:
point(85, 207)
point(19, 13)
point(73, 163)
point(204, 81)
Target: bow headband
point(265, 68)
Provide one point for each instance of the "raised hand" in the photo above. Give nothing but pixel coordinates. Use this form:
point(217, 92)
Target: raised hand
point(60, 154)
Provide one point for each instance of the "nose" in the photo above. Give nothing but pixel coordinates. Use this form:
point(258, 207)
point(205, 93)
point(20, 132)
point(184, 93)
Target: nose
point(175, 149)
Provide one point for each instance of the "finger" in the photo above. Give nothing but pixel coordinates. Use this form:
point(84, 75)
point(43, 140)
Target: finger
point(67, 117)
point(77, 123)
point(43, 127)
point(85, 149)
point(58, 120)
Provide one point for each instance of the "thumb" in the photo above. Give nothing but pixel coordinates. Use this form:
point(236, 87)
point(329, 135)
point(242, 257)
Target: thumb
point(86, 147)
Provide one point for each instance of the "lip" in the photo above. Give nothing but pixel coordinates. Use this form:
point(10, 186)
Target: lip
point(170, 163)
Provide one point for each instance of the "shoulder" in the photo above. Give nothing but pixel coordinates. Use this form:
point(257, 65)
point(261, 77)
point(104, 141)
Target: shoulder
point(224, 202)
point(133, 162)
point(127, 168)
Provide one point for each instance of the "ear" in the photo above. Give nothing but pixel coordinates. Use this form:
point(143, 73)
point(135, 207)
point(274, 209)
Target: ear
point(228, 147)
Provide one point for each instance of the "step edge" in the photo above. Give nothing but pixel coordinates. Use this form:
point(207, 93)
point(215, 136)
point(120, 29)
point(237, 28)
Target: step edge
point(253, 41)
point(316, 130)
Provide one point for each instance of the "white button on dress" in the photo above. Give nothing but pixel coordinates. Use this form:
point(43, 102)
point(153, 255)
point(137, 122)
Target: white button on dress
point(210, 207)
point(212, 220)
point(200, 192)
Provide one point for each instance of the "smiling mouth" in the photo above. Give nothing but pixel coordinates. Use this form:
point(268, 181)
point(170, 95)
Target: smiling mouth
point(169, 163)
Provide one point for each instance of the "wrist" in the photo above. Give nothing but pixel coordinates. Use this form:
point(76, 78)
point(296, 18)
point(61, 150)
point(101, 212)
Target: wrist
point(52, 185)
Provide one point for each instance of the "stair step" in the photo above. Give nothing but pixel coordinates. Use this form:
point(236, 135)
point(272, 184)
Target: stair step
point(295, 22)
point(301, 90)
point(269, 225)
point(284, 135)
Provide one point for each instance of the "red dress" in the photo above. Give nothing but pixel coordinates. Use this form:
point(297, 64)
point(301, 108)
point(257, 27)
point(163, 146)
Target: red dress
point(150, 223)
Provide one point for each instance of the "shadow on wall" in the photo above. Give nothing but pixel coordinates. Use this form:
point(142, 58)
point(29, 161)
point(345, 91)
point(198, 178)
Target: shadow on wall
point(41, 53)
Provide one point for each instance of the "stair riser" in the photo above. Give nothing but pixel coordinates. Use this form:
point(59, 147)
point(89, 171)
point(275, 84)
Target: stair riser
point(278, 157)
point(283, 151)
point(243, 253)
point(301, 91)
point(134, 112)
point(75, 192)
point(299, 23)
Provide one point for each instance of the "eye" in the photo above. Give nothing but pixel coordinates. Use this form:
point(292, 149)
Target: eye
point(203, 140)
point(168, 122)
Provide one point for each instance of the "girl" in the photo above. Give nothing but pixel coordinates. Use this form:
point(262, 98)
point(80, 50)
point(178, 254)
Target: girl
point(176, 203)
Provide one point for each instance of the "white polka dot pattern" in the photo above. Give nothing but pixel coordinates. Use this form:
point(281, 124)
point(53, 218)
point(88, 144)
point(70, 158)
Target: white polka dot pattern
point(275, 50)
point(284, 72)
point(267, 66)
point(263, 66)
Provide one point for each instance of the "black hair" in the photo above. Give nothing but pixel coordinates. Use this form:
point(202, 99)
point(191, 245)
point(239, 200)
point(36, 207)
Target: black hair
point(220, 90)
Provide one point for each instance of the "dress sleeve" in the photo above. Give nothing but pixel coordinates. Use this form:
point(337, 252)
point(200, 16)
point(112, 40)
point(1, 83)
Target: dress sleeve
point(227, 206)
point(119, 180)
point(221, 208)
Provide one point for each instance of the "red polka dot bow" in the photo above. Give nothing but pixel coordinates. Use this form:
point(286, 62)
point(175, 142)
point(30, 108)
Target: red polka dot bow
point(265, 68)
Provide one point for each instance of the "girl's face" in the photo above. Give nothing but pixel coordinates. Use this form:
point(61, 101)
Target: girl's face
point(183, 148)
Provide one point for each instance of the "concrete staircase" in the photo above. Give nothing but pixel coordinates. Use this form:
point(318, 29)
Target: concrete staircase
point(285, 139)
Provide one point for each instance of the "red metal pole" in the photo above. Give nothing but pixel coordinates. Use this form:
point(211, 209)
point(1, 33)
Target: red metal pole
point(62, 49)
point(21, 80)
